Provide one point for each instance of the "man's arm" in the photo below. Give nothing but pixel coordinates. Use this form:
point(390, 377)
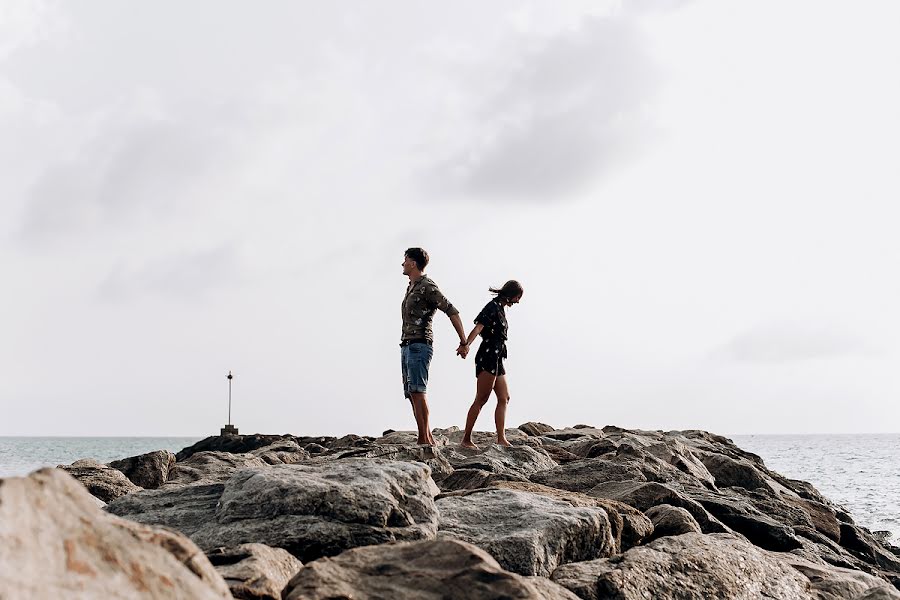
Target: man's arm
point(463, 348)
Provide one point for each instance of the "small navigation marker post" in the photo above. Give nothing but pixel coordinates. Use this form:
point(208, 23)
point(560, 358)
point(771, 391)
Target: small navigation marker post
point(229, 429)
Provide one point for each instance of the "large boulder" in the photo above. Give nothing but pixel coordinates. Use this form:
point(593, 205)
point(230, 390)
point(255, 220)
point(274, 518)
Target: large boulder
point(472, 479)
point(731, 472)
point(284, 452)
point(534, 428)
point(426, 570)
point(310, 510)
point(528, 533)
point(431, 456)
point(56, 543)
point(742, 516)
point(671, 520)
point(629, 526)
point(236, 444)
point(836, 583)
point(692, 566)
point(583, 475)
point(149, 470)
point(211, 467)
point(255, 571)
point(101, 481)
point(515, 461)
point(645, 495)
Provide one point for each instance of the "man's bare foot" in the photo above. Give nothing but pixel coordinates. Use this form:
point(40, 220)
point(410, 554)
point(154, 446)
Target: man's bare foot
point(504, 442)
point(422, 442)
point(465, 444)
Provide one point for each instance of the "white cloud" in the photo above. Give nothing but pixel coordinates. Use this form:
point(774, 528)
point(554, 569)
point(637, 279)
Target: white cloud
point(558, 113)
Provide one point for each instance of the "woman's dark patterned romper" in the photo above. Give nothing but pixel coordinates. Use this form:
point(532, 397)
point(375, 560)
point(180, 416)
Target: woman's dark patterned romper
point(492, 350)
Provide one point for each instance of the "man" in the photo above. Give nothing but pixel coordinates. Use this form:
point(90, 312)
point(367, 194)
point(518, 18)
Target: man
point(421, 300)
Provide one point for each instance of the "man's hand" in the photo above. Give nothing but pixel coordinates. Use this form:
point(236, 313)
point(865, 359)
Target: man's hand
point(462, 350)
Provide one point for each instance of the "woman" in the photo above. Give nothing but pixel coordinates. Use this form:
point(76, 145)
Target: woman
point(489, 371)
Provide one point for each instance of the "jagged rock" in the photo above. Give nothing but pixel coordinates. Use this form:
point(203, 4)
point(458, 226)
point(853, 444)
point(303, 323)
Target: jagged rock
point(518, 461)
point(572, 433)
point(427, 570)
point(310, 510)
point(687, 567)
point(255, 571)
point(733, 472)
point(101, 481)
point(55, 543)
point(211, 467)
point(671, 520)
point(187, 508)
point(235, 444)
point(863, 545)
point(284, 452)
point(535, 429)
point(629, 525)
point(527, 533)
point(835, 583)
point(351, 440)
point(741, 516)
point(149, 470)
point(582, 475)
point(431, 456)
point(472, 479)
point(645, 495)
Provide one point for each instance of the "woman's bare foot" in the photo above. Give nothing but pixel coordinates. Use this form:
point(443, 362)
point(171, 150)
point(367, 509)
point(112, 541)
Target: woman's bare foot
point(503, 442)
point(468, 444)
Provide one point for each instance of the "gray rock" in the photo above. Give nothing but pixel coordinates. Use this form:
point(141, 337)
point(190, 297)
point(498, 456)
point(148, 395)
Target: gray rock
point(645, 495)
point(431, 456)
point(835, 583)
point(101, 481)
point(731, 472)
point(629, 525)
point(741, 516)
point(582, 475)
point(688, 567)
point(236, 444)
point(473, 479)
point(284, 452)
point(310, 510)
point(149, 470)
point(55, 543)
point(671, 520)
point(517, 461)
point(187, 508)
point(211, 467)
point(535, 429)
point(427, 570)
point(527, 533)
point(255, 571)
point(862, 544)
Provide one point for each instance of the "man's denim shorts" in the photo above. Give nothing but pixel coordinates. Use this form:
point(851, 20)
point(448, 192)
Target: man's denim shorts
point(415, 360)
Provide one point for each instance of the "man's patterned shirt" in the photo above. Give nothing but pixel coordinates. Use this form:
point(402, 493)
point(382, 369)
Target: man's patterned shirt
point(422, 298)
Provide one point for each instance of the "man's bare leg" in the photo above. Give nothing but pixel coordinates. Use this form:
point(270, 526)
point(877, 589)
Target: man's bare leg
point(420, 409)
point(502, 393)
point(483, 386)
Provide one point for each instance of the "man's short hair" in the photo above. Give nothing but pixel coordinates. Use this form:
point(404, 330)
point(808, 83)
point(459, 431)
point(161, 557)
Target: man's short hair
point(419, 255)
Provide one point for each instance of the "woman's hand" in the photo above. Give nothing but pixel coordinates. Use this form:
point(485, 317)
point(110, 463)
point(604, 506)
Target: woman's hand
point(462, 350)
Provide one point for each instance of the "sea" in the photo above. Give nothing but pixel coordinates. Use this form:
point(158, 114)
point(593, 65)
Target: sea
point(861, 473)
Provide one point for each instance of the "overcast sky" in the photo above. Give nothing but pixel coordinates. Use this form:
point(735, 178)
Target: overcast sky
point(699, 198)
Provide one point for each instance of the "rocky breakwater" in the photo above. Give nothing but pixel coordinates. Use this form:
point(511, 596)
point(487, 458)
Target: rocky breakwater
point(578, 512)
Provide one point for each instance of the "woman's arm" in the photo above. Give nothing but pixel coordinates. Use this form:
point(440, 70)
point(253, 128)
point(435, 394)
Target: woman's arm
point(474, 333)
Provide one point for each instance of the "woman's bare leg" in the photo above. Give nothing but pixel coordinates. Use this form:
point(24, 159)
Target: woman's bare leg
point(502, 392)
point(483, 386)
